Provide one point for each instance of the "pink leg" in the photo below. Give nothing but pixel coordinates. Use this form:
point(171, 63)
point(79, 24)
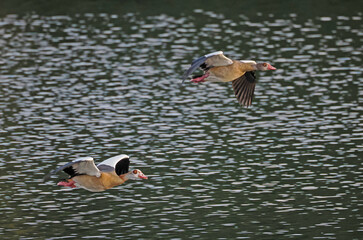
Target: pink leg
point(200, 79)
point(69, 183)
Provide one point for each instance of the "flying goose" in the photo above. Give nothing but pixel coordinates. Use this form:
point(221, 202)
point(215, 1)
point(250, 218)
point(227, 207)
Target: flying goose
point(219, 68)
point(85, 174)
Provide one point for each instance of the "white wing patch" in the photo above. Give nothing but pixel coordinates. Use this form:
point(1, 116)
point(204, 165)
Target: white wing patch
point(248, 61)
point(84, 165)
point(83, 159)
point(113, 160)
point(213, 54)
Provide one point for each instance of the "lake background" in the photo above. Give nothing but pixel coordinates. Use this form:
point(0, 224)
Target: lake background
point(92, 78)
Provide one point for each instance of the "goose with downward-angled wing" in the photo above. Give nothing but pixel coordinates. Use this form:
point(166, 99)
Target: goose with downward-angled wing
point(219, 68)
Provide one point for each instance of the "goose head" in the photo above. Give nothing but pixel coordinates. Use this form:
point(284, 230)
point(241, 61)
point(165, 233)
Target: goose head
point(264, 66)
point(136, 174)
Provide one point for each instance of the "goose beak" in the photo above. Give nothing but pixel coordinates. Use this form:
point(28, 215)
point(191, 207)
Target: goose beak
point(142, 176)
point(271, 67)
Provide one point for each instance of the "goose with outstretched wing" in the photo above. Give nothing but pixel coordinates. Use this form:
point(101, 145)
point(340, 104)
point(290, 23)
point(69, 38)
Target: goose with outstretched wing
point(85, 174)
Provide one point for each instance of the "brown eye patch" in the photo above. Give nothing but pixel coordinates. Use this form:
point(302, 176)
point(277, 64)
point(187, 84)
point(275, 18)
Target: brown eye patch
point(134, 172)
point(265, 65)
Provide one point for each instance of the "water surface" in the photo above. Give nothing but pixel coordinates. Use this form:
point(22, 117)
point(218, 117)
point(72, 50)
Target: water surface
point(104, 83)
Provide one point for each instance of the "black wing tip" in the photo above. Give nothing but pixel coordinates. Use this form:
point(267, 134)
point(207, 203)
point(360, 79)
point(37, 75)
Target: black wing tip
point(244, 88)
point(67, 168)
point(71, 171)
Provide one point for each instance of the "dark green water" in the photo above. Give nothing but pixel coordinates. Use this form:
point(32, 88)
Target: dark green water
point(88, 78)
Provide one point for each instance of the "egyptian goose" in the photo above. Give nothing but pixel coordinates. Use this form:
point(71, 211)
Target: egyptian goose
point(219, 68)
point(85, 174)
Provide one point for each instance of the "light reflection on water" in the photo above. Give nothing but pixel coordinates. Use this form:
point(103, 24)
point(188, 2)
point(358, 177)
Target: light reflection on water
point(100, 85)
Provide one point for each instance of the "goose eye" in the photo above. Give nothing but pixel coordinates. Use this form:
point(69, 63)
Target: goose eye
point(134, 172)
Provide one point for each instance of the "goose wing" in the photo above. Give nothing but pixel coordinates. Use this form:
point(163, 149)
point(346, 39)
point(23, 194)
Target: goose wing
point(244, 88)
point(79, 166)
point(208, 61)
point(119, 164)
